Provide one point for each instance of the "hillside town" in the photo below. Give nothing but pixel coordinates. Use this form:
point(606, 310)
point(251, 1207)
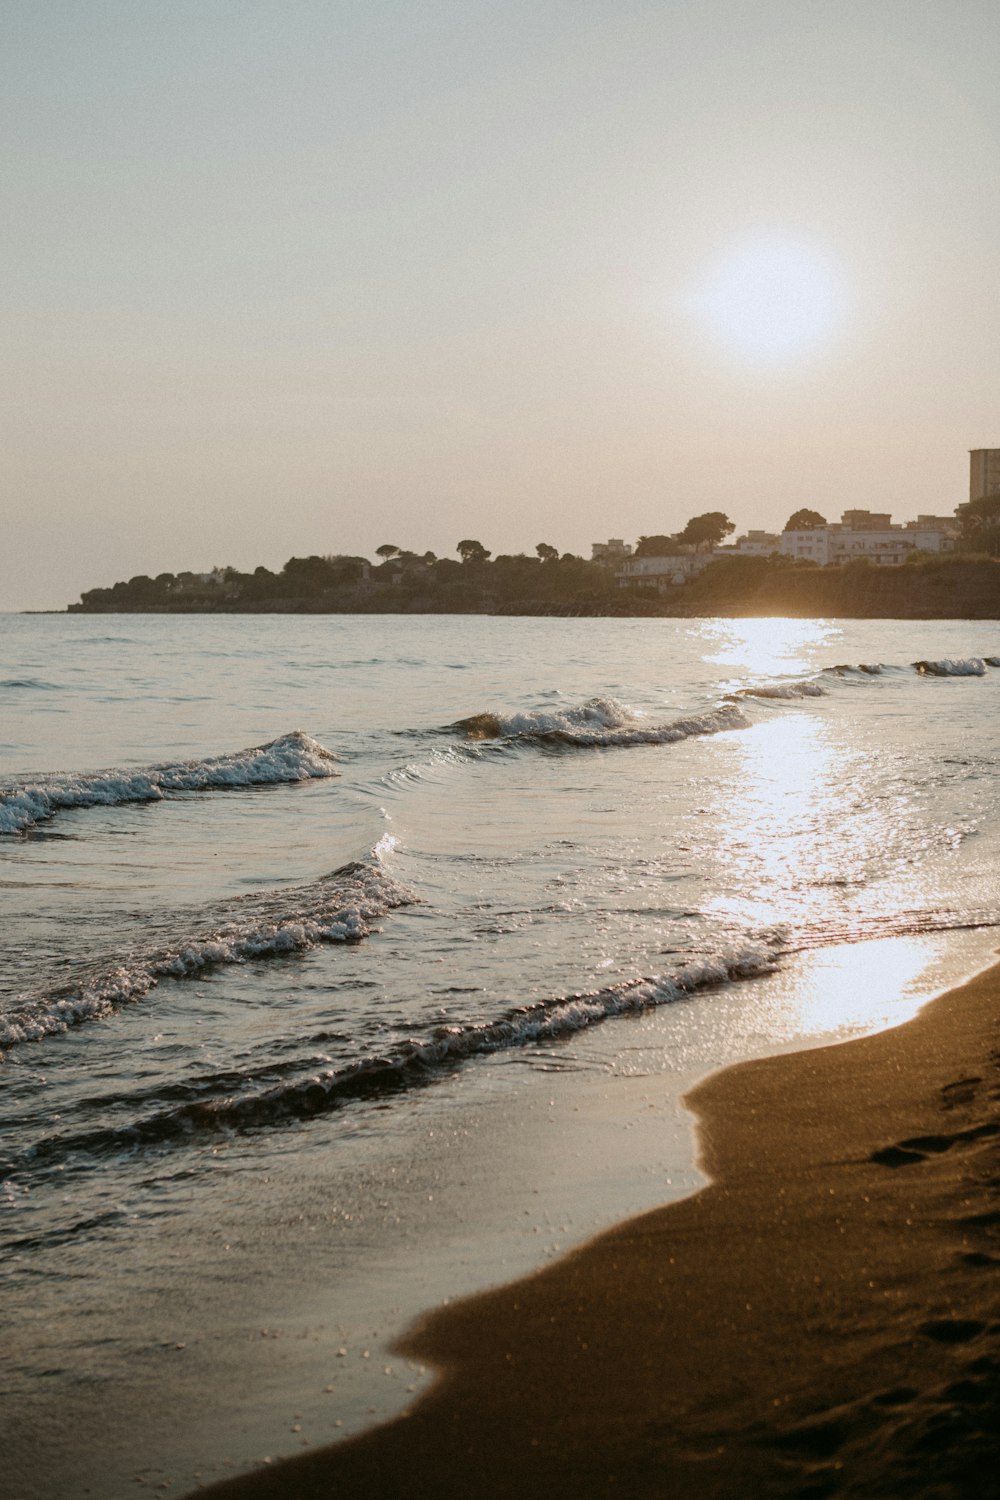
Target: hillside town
point(859, 534)
point(694, 570)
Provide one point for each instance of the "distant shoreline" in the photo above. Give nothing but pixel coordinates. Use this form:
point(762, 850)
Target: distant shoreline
point(946, 588)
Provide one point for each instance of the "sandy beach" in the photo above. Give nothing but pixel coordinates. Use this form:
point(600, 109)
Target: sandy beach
point(821, 1319)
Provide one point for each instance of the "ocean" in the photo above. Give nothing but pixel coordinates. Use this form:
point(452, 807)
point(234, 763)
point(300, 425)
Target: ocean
point(352, 963)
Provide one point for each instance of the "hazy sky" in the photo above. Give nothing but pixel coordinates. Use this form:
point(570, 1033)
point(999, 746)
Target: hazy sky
point(296, 276)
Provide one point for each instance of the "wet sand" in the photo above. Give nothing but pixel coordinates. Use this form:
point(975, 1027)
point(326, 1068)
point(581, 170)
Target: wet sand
point(822, 1319)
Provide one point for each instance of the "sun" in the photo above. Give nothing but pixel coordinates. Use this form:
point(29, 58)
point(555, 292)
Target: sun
point(770, 300)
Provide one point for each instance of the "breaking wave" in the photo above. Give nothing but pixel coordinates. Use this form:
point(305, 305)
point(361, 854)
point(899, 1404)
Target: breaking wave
point(601, 721)
point(973, 666)
point(968, 666)
point(410, 1064)
point(783, 690)
point(340, 908)
point(293, 757)
point(607, 721)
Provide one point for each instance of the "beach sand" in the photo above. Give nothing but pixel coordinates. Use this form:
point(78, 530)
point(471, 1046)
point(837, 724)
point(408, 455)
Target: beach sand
point(822, 1319)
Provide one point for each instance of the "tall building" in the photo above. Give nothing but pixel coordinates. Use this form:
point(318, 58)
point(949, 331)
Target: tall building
point(984, 472)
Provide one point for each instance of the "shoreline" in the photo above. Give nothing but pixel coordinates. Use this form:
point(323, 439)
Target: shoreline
point(820, 1319)
point(504, 1170)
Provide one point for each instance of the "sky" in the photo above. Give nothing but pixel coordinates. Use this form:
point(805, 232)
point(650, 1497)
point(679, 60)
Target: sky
point(284, 277)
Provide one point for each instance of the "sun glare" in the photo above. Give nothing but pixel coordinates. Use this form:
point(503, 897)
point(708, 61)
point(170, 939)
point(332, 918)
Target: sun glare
point(769, 647)
point(769, 300)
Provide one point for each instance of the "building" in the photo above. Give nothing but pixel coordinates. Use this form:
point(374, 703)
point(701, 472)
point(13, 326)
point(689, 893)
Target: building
point(984, 472)
point(752, 544)
point(662, 573)
point(812, 544)
point(934, 523)
point(611, 552)
point(866, 520)
point(871, 535)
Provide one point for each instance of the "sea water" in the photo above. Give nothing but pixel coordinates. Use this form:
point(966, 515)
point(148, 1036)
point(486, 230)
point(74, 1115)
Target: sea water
point(342, 954)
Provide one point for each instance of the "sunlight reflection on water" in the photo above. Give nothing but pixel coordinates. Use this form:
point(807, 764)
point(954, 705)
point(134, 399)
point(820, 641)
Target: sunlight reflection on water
point(764, 648)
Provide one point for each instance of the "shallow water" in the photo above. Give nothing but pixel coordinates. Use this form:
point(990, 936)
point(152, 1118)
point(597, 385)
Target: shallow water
point(298, 911)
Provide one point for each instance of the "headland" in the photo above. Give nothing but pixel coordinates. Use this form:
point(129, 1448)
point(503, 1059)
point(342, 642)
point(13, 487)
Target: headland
point(945, 587)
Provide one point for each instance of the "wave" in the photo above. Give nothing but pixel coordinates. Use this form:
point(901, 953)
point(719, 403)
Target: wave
point(292, 757)
point(863, 668)
point(411, 1064)
point(607, 721)
point(967, 666)
point(600, 721)
point(783, 690)
point(340, 908)
point(33, 683)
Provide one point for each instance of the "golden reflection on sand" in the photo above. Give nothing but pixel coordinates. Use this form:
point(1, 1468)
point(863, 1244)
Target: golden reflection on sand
point(860, 986)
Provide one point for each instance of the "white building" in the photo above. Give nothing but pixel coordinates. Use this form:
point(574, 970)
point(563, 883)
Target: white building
point(662, 573)
point(752, 544)
point(870, 535)
point(809, 545)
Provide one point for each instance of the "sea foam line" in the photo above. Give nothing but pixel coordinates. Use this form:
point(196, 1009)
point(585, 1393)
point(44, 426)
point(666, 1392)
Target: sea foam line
point(966, 666)
point(292, 757)
point(946, 666)
point(600, 721)
point(341, 908)
point(411, 1064)
point(783, 690)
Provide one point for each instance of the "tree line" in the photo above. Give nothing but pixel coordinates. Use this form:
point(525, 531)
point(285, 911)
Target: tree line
point(401, 579)
point(544, 581)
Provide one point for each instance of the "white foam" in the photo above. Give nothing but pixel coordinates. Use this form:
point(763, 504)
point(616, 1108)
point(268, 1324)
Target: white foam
point(341, 908)
point(967, 666)
point(251, 1106)
point(293, 757)
point(602, 721)
point(783, 690)
point(547, 1019)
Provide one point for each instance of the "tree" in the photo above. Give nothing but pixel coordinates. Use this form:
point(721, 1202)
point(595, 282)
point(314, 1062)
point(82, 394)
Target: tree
point(304, 577)
point(980, 521)
point(386, 551)
point(547, 553)
point(657, 546)
point(472, 552)
point(804, 520)
point(706, 530)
